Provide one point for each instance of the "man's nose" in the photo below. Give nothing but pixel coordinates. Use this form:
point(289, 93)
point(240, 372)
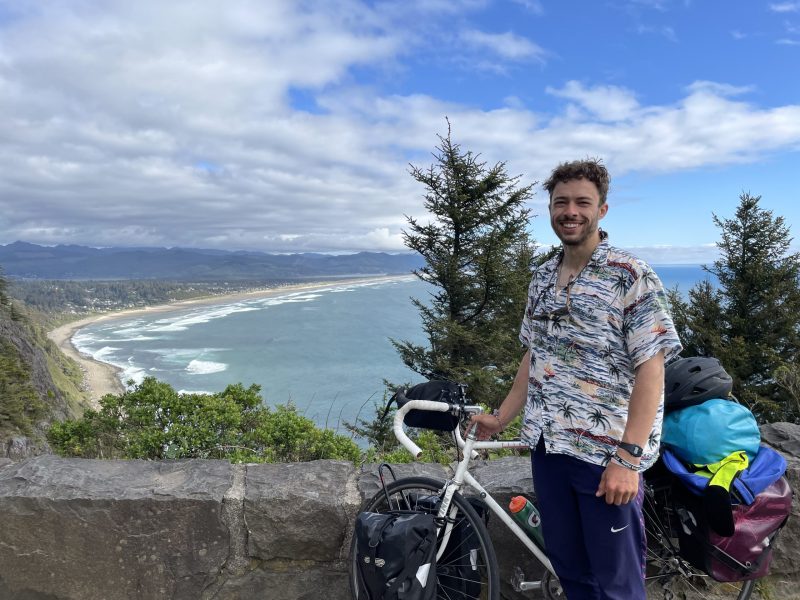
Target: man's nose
point(571, 208)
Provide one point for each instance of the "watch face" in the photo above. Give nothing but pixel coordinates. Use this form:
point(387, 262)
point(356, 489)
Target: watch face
point(633, 449)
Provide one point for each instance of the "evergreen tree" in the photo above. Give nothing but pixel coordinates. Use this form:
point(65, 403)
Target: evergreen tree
point(700, 321)
point(752, 322)
point(478, 257)
point(787, 377)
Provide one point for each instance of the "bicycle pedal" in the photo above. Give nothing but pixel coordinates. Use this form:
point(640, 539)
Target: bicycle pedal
point(519, 584)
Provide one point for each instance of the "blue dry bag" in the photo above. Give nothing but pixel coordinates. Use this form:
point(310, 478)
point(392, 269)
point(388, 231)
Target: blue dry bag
point(706, 433)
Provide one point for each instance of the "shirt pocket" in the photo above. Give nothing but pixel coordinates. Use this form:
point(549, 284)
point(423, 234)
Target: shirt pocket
point(596, 315)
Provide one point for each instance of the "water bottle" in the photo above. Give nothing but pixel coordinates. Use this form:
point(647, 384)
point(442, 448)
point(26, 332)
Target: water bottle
point(528, 517)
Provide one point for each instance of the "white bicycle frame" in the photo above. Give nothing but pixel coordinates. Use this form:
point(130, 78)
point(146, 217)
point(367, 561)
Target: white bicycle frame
point(462, 475)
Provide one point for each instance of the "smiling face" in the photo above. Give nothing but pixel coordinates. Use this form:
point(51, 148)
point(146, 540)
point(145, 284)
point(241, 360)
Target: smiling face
point(575, 212)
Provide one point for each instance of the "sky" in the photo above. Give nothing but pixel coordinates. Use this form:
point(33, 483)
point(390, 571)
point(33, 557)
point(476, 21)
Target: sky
point(291, 125)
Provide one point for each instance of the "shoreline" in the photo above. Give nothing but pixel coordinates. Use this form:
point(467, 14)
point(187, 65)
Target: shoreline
point(101, 378)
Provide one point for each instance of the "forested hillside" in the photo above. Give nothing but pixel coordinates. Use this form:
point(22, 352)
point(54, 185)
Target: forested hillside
point(78, 297)
point(38, 384)
point(30, 261)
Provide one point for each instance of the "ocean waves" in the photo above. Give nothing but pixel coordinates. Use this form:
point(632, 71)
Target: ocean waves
point(326, 350)
point(204, 367)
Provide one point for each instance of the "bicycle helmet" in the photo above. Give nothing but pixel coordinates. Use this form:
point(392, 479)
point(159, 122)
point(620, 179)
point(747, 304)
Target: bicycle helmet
point(690, 381)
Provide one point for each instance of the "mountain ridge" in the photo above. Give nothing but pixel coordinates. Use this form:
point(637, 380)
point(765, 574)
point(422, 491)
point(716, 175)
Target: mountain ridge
point(25, 260)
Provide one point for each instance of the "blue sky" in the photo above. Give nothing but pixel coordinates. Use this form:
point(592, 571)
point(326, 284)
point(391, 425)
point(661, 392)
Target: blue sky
point(288, 126)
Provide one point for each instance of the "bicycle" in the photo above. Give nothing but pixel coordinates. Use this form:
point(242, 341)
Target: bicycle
point(669, 575)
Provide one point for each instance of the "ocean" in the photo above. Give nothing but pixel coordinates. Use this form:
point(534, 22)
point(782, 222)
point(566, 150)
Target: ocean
point(325, 350)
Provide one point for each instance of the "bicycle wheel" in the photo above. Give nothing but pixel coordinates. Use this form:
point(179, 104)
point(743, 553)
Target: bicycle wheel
point(466, 569)
point(669, 575)
point(673, 581)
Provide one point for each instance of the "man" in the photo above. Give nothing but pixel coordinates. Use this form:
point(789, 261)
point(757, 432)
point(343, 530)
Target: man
point(597, 334)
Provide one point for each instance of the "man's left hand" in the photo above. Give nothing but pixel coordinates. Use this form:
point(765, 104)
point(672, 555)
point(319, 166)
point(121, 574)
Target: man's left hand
point(618, 484)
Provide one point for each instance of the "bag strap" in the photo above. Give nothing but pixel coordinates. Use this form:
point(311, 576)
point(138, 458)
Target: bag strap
point(375, 540)
point(413, 563)
point(388, 407)
point(383, 481)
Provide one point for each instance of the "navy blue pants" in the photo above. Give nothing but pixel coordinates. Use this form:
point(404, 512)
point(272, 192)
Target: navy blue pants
point(597, 549)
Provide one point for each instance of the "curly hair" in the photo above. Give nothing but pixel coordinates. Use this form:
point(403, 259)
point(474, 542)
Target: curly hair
point(591, 169)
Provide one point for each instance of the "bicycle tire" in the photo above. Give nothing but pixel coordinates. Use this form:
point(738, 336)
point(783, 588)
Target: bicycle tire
point(482, 562)
point(696, 585)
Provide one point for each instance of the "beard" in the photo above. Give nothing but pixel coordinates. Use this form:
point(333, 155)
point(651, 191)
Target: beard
point(589, 228)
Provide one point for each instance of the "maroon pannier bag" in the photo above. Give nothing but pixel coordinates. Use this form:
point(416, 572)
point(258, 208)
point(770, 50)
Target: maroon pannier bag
point(748, 552)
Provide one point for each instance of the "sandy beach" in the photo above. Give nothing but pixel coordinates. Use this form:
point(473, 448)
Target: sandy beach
point(102, 378)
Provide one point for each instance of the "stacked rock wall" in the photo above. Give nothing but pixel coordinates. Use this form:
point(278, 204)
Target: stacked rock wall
point(73, 529)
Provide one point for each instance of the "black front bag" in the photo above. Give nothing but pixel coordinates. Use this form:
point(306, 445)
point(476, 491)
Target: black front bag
point(438, 391)
point(396, 556)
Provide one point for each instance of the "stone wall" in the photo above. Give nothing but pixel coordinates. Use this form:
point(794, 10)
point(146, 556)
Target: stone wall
point(73, 529)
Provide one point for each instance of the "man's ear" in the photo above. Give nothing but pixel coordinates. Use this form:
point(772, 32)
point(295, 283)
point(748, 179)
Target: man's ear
point(603, 209)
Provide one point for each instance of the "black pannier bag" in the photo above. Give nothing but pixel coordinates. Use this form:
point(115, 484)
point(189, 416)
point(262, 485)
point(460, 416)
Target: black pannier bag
point(396, 556)
point(438, 391)
point(457, 570)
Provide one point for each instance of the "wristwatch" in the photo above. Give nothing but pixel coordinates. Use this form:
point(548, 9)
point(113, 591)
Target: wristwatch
point(632, 449)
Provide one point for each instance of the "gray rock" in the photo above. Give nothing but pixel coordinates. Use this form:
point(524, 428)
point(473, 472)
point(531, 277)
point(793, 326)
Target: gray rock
point(17, 448)
point(299, 511)
point(505, 477)
point(782, 436)
point(85, 530)
point(7, 593)
point(295, 581)
point(74, 529)
point(785, 438)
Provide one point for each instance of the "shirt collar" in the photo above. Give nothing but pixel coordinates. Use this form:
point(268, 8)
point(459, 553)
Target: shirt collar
point(600, 255)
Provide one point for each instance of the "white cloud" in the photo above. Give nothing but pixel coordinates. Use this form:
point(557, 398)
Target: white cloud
point(788, 42)
point(533, 6)
point(607, 103)
point(705, 128)
point(718, 89)
point(669, 33)
point(151, 123)
point(664, 31)
point(660, 5)
point(514, 102)
point(784, 7)
point(506, 45)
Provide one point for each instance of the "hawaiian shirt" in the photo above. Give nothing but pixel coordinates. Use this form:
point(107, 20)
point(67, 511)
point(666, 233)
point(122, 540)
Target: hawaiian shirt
point(583, 362)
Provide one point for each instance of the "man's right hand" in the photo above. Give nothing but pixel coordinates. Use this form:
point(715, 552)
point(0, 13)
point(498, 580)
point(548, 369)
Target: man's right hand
point(488, 425)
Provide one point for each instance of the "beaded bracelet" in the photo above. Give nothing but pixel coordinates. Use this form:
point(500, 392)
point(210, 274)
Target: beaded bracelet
point(496, 415)
point(628, 465)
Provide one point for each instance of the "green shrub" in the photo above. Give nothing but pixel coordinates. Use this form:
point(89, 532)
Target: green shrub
point(20, 405)
point(153, 421)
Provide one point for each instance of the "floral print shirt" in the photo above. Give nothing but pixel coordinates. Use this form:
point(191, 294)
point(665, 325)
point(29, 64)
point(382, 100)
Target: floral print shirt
point(582, 363)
